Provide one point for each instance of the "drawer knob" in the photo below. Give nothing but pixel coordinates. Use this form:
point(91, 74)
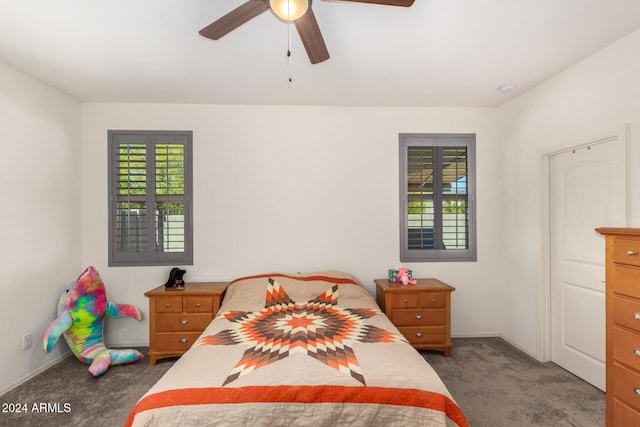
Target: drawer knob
point(632, 253)
point(419, 334)
point(404, 301)
point(198, 305)
point(184, 321)
point(636, 391)
point(184, 340)
point(434, 300)
point(418, 316)
point(636, 316)
point(637, 352)
point(167, 305)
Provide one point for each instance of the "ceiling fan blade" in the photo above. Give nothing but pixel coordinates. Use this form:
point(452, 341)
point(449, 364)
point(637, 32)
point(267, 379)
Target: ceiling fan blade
point(234, 19)
point(311, 37)
point(403, 3)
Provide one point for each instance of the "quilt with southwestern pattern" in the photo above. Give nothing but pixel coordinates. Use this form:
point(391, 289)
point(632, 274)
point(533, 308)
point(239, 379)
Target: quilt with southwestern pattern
point(318, 328)
point(340, 363)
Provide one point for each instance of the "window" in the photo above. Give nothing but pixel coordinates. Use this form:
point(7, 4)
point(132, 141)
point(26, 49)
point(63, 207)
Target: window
point(437, 197)
point(150, 206)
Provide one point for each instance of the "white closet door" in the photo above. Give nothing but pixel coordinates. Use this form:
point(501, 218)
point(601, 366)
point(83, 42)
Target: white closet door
point(587, 190)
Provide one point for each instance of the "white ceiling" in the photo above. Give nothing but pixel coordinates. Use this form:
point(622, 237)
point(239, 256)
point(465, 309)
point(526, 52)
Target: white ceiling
point(435, 53)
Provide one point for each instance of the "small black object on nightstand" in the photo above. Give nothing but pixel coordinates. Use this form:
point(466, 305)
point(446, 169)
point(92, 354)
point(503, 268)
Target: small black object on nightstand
point(175, 278)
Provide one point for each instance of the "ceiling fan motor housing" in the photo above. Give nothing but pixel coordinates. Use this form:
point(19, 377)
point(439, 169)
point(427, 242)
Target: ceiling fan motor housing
point(289, 10)
point(297, 11)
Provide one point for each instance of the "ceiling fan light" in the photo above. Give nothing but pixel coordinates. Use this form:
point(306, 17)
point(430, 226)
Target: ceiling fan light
point(289, 10)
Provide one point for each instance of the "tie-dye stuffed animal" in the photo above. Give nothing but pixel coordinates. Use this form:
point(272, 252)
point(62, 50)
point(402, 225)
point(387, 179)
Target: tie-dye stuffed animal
point(81, 312)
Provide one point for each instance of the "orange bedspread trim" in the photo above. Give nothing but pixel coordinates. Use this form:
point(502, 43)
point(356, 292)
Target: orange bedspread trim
point(330, 279)
point(302, 394)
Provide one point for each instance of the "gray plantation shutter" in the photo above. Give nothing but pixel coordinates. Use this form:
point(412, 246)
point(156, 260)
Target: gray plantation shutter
point(170, 197)
point(454, 197)
point(150, 198)
point(131, 197)
point(420, 197)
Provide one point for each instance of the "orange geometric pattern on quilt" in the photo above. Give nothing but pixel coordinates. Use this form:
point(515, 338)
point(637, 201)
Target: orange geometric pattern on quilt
point(318, 328)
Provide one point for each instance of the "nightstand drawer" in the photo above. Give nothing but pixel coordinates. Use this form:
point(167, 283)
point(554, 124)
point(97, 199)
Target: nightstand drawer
point(626, 312)
point(424, 334)
point(176, 341)
point(432, 300)
point(182, 322)
point(404, 300)
point(198, 304)
point(417, 317)
point(169, 304)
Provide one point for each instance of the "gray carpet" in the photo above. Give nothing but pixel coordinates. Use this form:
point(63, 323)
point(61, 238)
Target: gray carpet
point(494, 383)
point(104, 401)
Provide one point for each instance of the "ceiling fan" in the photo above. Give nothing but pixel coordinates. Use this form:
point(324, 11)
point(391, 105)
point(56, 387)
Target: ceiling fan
point(297, 11)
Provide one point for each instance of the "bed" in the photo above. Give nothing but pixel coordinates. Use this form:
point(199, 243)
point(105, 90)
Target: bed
point(299, 350)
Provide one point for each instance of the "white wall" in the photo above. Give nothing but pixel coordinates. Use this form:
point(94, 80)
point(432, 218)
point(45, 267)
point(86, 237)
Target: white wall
point(597, 94)
point(296, 189)
point(39, 219)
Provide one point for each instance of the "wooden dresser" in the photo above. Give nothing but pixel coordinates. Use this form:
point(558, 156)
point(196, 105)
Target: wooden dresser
point(623, 326)
point(178, 317)
point(421, 312)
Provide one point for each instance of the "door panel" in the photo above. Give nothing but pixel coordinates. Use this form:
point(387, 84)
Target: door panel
point(578, 300)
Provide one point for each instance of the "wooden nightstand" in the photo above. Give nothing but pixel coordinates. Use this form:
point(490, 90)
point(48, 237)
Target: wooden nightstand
point(178, 317)
point(421, 312)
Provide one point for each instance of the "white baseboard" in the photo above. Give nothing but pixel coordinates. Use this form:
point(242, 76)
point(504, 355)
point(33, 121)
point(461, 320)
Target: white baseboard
point(475, 335)
point(128, 345)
